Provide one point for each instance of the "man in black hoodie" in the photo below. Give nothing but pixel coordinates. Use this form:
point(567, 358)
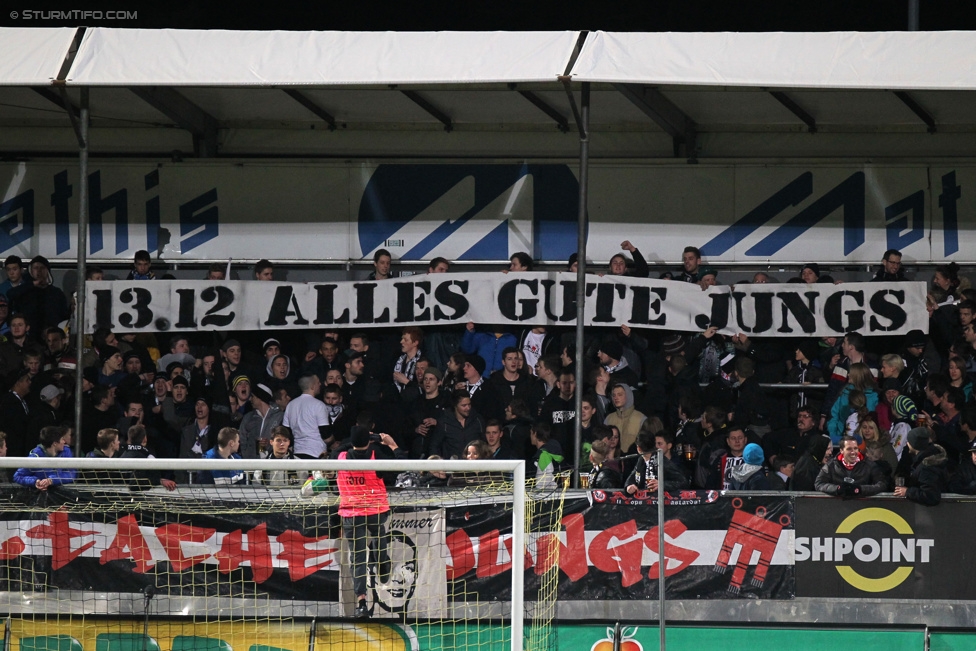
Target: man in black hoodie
point(927, 476)
point(809, 464)
point(559, 410)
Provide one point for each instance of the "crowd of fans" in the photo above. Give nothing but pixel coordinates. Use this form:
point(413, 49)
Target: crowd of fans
point(874, 415)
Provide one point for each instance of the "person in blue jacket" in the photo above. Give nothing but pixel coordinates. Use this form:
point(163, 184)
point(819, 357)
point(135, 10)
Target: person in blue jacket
point(53, 443)
point(490, 345)
point(228, 442)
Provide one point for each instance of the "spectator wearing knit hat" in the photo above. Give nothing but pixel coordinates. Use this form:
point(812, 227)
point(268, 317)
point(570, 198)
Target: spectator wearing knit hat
point(750, 475)
point(484, 399)
point(611, 356)
point(42, 303)
point(810, 273)
point(111, 373)
point(921, 358)
point(201, 434)
point(924, 468)
point(708, 278)
point(904, 413)
point(257, 424)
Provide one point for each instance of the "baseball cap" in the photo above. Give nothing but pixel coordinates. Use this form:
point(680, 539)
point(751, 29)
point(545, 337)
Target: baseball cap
point(50, 392)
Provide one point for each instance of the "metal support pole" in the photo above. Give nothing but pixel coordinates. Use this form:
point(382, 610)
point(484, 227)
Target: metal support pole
point(661, 558)
point(79, 320)
point(913, 15)
point(581, 219)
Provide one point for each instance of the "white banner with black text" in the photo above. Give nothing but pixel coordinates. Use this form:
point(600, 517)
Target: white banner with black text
point(516, 299)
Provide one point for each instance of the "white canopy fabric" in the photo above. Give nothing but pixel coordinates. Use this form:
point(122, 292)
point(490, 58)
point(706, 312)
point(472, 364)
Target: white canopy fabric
point(458, 97)
point(139, 57)
point(838, 60)
point(32, 57)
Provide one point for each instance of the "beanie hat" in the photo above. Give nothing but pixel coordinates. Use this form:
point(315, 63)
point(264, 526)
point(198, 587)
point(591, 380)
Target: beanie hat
point(478, 362)
point(812, 266)
point(612, 348)
point(107, 353)
point(903, 408)
point(262, 393)
point(90, 373)
point(753, 455)
point(810, 349)
point(229, 344)
point(673, 345)
point(915, 339)
point(179, 379)
point(436, 372)
point(206, 399)
point(918, 438)
point(40, 259)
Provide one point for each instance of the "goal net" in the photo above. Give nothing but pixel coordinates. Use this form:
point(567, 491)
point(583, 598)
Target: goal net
point(272, 556)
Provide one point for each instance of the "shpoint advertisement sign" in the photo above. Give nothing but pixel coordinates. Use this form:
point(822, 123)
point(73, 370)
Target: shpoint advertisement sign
point(883, 549)
point(346, 210)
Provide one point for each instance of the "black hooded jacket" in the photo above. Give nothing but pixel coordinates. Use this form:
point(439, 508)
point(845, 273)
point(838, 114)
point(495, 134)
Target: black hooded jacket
point(928, 477)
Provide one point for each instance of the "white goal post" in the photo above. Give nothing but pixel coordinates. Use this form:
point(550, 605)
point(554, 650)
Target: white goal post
point(514, 469)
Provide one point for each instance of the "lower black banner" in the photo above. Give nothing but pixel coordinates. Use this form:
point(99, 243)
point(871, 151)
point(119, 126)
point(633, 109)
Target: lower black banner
point(716, 547)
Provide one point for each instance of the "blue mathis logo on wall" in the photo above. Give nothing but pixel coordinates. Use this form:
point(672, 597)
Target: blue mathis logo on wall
point(470, 212)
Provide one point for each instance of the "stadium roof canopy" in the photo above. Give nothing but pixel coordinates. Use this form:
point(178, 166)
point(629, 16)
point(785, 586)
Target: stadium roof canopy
point(901, 95)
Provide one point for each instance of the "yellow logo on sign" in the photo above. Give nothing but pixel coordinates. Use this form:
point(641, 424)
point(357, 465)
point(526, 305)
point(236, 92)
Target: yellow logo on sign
point(897, 523)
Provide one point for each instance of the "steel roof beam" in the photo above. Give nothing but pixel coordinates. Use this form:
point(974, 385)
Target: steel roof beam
point(185, 114)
